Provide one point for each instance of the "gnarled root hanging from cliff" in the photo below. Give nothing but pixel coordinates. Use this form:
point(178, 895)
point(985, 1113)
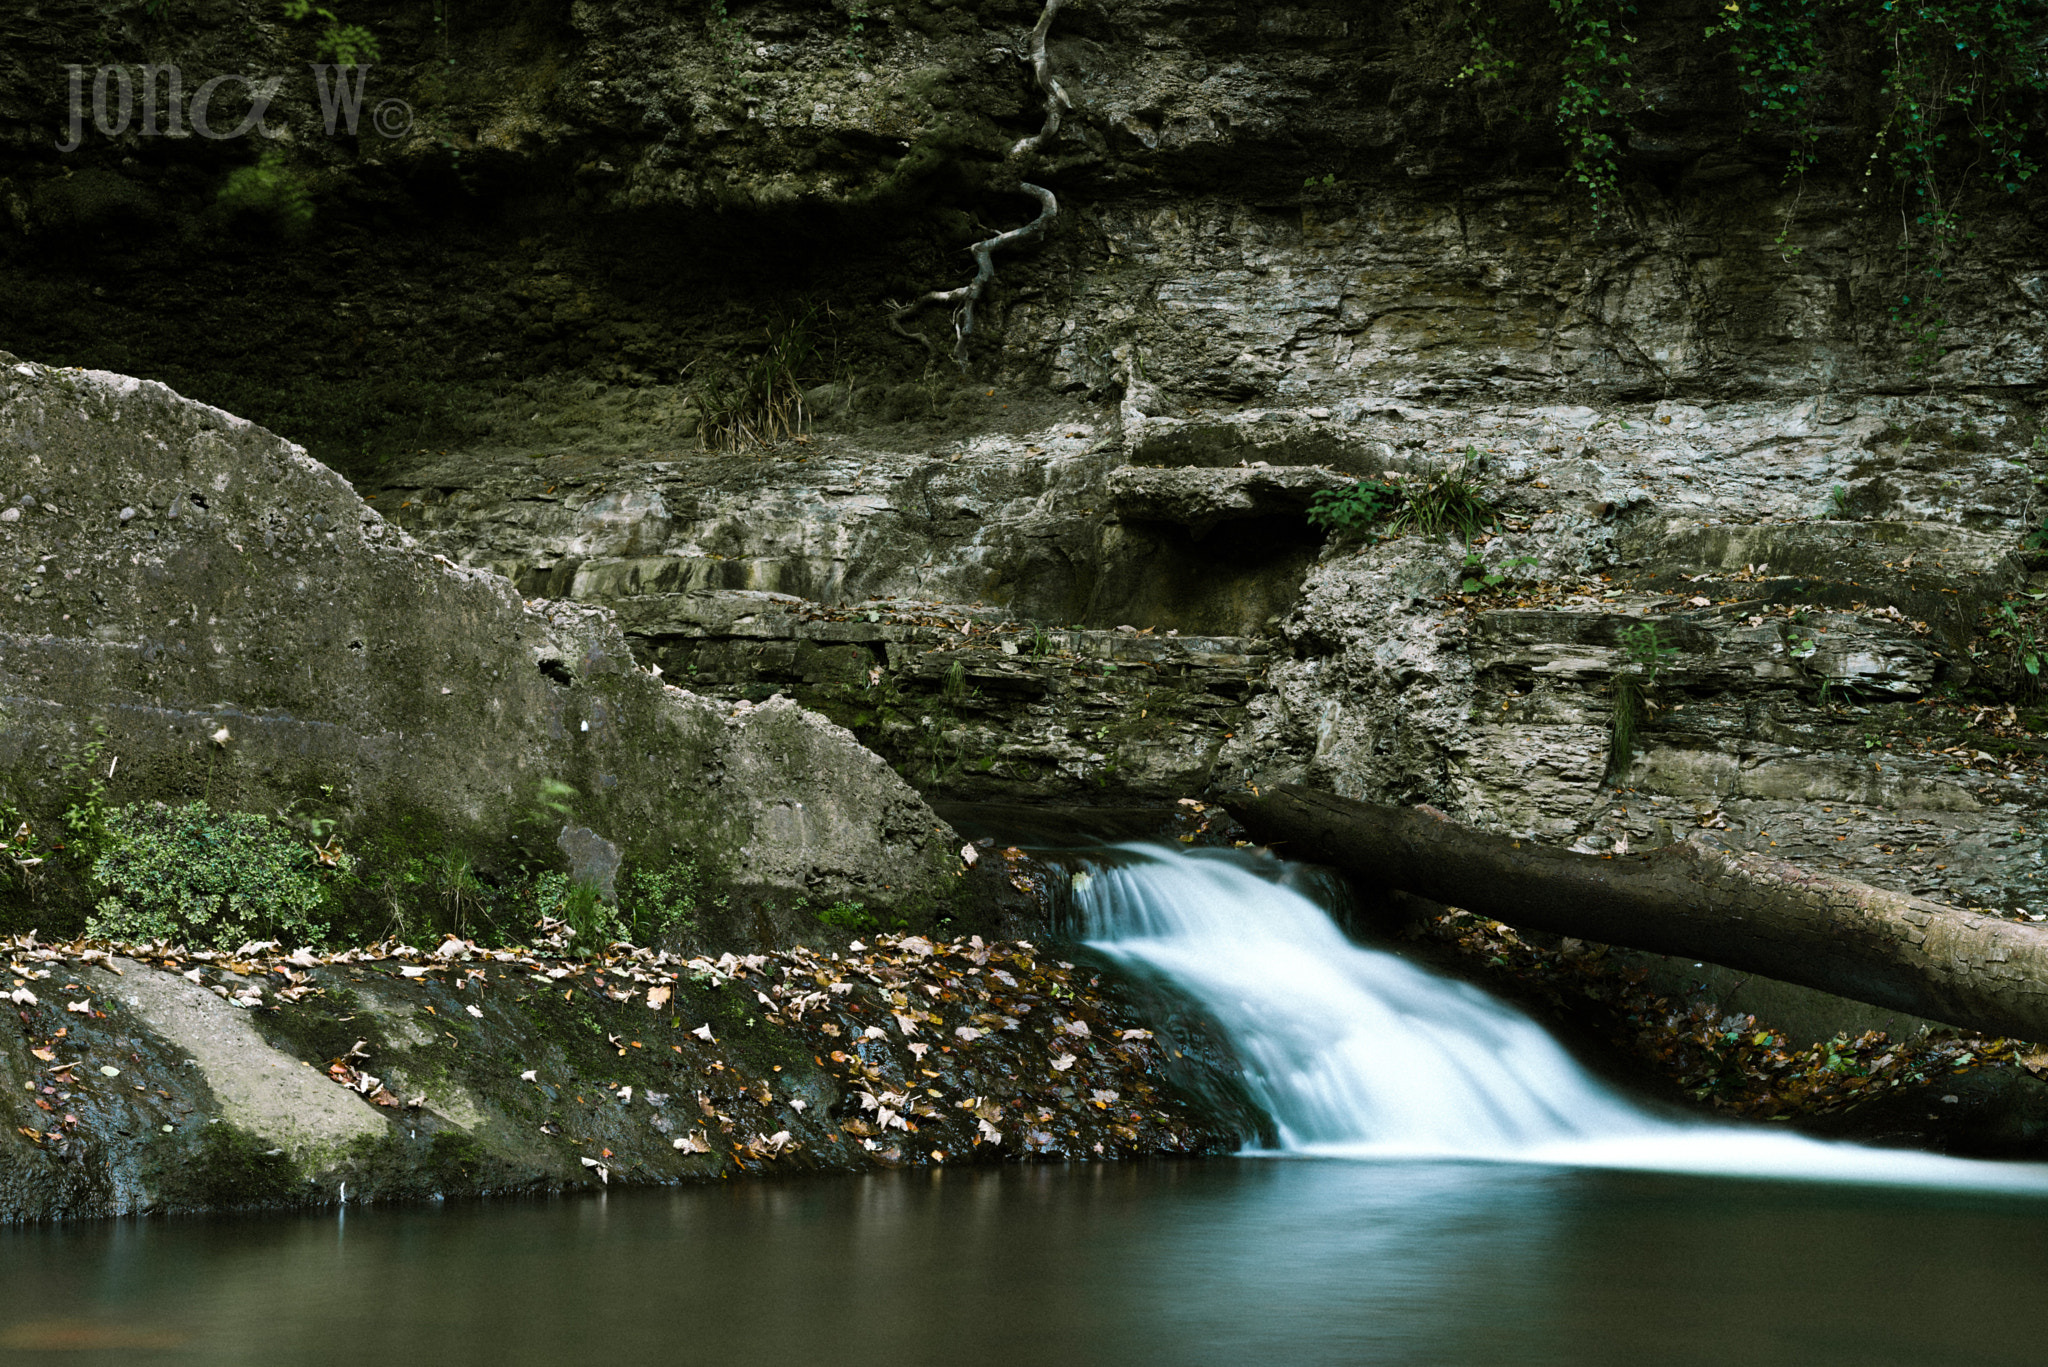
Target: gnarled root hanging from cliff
point(968, 295)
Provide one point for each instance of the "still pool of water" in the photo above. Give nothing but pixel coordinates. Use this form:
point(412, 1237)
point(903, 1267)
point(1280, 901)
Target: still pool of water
point(1286, 1261)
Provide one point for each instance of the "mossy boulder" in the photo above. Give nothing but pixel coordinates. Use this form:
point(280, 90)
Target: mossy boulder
point(203, 611)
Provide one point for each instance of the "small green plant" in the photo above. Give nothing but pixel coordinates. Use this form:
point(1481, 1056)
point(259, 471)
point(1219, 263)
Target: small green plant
point(848, 916)
point(1838, 502)
point(272, 188)
point(1643, 654)
point(729, 41)
point(857, 17)
point(1447, 499)
point(761, 402)
point(1327, 181)
point(584, 911)
point(191, 874)
point(2017, 635)
point(654, 902)
point(1479, 579)
point(345, 44)
point(1345, 514)
point(87, 772)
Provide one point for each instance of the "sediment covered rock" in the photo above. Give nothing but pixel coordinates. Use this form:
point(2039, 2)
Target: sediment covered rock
point(156, 1080)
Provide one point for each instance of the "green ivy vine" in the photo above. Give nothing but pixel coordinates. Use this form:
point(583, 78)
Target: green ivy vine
point(1595, 70)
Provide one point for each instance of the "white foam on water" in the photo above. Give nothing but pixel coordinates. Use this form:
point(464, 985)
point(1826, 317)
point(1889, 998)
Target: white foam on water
point(1355, 1053)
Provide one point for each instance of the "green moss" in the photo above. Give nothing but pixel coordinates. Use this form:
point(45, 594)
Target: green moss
point(227, 1168)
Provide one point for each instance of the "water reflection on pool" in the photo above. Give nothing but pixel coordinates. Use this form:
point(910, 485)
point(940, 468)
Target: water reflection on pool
point(1234, 1261)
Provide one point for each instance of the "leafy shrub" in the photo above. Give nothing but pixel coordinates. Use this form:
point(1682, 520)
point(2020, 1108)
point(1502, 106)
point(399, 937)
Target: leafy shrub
point(199, 876)
point(654, 902)
point(1346, 513)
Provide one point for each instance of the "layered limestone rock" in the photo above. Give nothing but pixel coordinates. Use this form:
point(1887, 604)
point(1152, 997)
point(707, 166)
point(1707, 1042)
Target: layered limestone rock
point(215, 615)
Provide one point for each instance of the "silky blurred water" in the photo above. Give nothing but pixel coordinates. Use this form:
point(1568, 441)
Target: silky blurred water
point(1355, 1052)
point(1228, 1261)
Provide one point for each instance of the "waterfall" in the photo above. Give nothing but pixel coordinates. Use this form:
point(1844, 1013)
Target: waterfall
point(1354, 1052)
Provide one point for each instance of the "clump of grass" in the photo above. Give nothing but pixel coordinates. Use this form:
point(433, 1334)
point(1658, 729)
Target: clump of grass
point(1446, 499)
point(761, 402)
point(1643, 653)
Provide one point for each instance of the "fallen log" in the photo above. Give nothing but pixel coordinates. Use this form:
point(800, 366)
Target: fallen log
point(1745, 911)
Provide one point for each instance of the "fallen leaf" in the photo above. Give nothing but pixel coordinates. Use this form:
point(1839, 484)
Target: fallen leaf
point(693, 1143)
point(530, 1075)
point(46, 1055)
point(106, 1071)
point(703, 1032)
point(966, 1033)
point(83, 1008)
point(657, 997)
point(1062, 1063)
point(476, 1011)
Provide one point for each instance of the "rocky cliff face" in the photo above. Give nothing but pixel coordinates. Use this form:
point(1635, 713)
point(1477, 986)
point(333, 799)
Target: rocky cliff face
point(1066, 573)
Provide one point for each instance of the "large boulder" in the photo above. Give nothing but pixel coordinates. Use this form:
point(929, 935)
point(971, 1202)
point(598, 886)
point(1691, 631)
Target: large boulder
point(212, 614)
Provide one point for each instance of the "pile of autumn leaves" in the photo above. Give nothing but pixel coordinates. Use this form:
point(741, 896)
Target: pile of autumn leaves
point(1724, 1060)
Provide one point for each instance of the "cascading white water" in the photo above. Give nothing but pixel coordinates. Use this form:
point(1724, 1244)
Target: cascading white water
point(1356, 1053)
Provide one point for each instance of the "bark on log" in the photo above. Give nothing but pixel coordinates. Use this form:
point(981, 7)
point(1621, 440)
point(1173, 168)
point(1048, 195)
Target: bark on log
point(1745, 911)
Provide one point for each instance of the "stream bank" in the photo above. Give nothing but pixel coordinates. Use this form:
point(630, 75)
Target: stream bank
point(175, 1081)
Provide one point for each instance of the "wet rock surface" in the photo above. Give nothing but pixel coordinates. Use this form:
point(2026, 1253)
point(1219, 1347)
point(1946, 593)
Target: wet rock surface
point(161, 1080)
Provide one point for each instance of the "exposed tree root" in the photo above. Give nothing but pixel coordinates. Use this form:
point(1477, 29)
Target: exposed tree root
point(968, 295)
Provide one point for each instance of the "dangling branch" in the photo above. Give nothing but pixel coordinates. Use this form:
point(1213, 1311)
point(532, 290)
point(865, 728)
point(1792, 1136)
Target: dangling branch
point(969, 294)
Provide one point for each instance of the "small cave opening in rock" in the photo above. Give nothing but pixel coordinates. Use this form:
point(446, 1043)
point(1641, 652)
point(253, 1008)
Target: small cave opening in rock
point(557, 672)
point(1232, 580)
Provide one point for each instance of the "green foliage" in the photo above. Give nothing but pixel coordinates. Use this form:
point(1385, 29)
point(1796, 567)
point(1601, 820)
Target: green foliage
point(2017, 635)
point(1447, 499)
point(1487, 62)
point(1328, 181)
point(345, 44)
point(729, 41)
point(272, 188)
point(198, 876)
point(761, 402)
point(1838, 501)
point(1595, 69)
point(585, 912)
point(85, 819)
point(1346, 513)
point(848, 916)
point(857, 17)
point(1643, 654)
point(1479, 579)
point(654, 902)
point(1776, 47)
point(1960, 80)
